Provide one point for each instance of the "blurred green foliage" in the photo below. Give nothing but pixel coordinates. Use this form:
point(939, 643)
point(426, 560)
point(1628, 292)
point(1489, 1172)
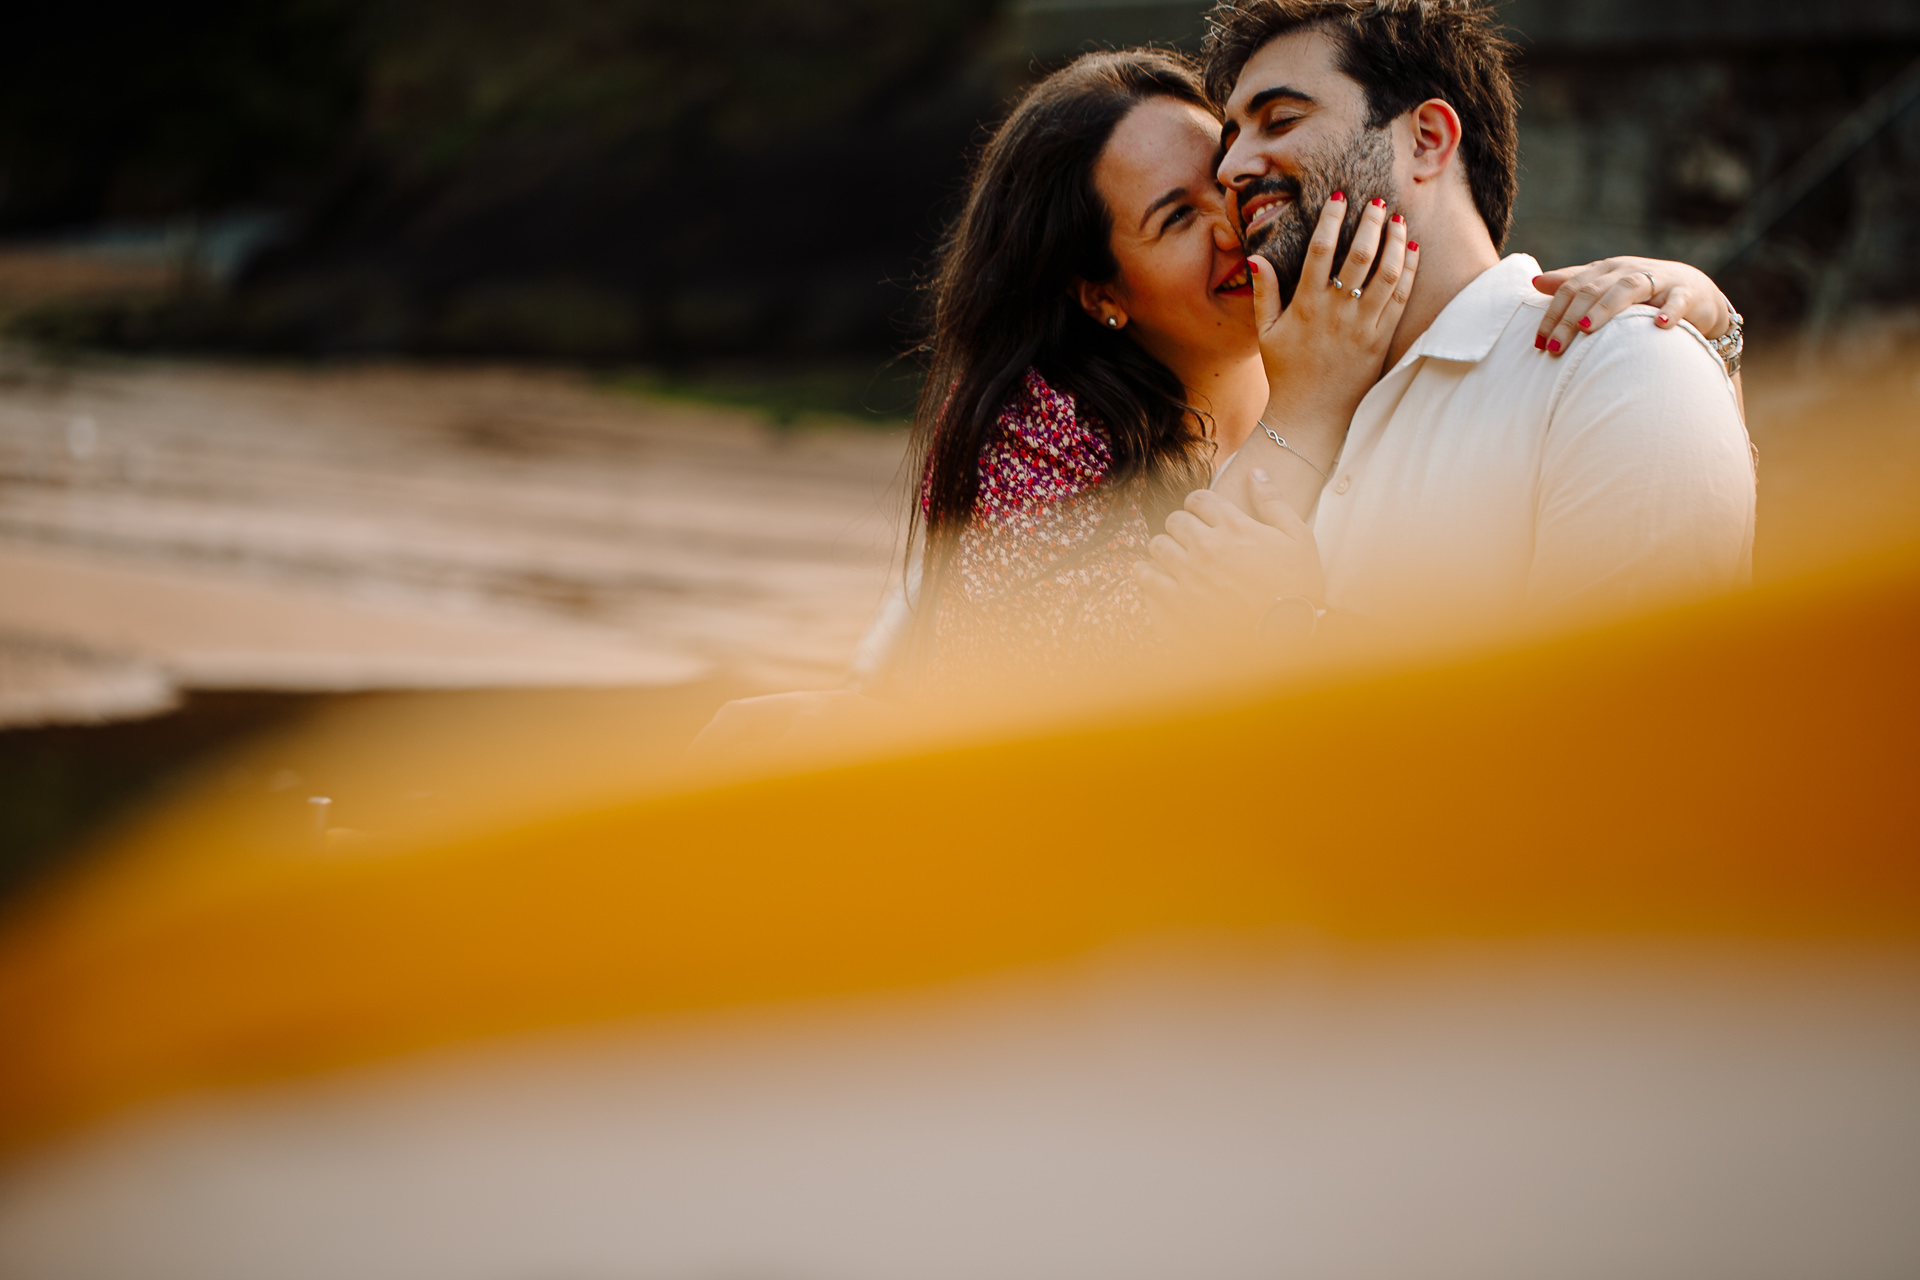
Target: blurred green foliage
point(451, 79)
point(116, 109)
point(586, 179)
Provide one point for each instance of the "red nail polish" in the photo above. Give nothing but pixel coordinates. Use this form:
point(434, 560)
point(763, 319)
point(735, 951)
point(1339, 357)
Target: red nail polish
point(1398, 218)
point(1539, 342)
point(1377, 202)
point(1338, 195)
point(1586, 322)
point(1412, 245)
point(1253, 265)
point(1554, 346)
point(1663, 319)
point(1537, 280)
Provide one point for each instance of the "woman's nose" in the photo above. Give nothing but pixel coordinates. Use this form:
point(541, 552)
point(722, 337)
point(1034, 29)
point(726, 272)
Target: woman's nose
point(1225, 235)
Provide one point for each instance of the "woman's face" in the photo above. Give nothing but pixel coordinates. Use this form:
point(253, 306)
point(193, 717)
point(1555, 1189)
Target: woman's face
point(1182, 288)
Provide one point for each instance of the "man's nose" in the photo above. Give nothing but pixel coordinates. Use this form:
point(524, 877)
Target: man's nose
point(1240, 165)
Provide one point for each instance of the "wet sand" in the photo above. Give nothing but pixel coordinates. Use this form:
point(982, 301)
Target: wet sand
point(181, 526)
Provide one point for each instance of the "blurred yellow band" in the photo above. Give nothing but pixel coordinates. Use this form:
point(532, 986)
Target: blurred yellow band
point(1744, 768)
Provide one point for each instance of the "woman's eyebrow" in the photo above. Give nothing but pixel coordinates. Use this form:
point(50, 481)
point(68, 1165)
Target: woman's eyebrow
point(1178, 193)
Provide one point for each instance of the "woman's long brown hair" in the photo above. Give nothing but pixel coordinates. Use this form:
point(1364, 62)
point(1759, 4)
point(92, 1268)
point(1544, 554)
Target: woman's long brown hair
point(1002, 302)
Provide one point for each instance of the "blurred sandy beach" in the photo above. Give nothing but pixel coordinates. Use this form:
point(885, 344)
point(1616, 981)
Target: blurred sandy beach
point(182, 525)
point(199, 526)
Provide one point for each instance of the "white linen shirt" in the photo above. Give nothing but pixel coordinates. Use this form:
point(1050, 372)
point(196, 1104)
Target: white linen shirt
point(1483, 479)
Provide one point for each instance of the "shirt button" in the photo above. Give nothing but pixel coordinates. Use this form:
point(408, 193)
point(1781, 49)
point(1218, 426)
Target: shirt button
point(1346, 483)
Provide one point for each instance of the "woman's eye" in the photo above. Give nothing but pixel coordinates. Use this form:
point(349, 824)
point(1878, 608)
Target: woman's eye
point(1180, 215)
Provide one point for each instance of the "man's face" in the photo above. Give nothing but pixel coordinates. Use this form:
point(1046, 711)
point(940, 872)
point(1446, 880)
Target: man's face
point(1296, 132)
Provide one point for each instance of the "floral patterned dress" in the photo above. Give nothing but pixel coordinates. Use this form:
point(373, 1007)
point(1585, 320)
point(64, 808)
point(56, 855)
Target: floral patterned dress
point(1041, 584)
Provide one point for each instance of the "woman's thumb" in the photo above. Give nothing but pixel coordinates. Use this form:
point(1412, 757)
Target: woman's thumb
point(1266, 292)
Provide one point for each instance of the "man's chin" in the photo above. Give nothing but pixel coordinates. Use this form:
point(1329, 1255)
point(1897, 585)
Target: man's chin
point(1287, 262)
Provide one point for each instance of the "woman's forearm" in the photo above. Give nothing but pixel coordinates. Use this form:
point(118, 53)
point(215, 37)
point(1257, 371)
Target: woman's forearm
point(1300, 467)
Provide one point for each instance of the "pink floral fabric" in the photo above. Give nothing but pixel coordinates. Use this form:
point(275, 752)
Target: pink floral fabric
point(1041, 584)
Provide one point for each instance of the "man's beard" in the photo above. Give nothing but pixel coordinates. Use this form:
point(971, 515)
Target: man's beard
point(1362, 168)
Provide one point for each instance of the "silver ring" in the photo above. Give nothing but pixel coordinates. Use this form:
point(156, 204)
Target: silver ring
point(1653, 289)
point(1354, 294)
point(1335, 283)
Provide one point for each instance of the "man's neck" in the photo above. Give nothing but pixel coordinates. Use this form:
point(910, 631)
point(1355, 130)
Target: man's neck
point(1451, 258)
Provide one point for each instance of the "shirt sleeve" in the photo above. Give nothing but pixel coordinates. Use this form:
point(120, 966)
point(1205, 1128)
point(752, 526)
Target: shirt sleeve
point(1647, 480)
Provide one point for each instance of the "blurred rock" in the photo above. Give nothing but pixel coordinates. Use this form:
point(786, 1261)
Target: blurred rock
point(50, 682)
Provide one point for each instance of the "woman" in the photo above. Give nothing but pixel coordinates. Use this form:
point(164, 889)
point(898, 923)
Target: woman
point(1094, 358)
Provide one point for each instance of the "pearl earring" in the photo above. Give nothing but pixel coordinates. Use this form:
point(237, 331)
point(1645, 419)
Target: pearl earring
point(1113, 322)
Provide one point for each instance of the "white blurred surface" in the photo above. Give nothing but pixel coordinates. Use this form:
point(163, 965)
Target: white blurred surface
point(1514, 1111)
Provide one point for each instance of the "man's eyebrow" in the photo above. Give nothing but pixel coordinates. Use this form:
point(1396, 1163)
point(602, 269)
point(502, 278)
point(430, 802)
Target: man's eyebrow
point(1276, 93)
point(1178, 193)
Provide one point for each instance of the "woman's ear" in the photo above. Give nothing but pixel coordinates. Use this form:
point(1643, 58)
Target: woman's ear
point(1436, 139)
point(1098, 302)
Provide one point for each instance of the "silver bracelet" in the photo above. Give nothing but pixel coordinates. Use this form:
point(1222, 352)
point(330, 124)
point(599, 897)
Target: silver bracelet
point(1275, 437)
point(1729, 345)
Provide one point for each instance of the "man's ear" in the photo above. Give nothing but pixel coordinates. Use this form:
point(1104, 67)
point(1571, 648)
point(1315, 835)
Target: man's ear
point(1436, 139)
point(1098, 301)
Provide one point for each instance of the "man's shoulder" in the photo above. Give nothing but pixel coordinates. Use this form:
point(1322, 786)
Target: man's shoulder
point(1629, 354)
point(1632, 343)
point(1650, 397)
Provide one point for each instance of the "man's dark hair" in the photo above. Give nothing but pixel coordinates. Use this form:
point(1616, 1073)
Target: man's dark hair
point(1402, 52)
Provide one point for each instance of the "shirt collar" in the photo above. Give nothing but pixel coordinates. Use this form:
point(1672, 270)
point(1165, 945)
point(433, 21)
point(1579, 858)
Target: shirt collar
point(1469, 325)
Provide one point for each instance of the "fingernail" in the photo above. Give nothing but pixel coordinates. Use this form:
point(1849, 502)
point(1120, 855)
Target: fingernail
point(1398, 218)
point(1586, 322)
point(1539, 342)
point(1259, 473)
point(1378, 202)
point(1338, 195)
point(1253, 265)
point(1554, 346)
point(1412, 245)
point(1663, 320)
point(1537, 280)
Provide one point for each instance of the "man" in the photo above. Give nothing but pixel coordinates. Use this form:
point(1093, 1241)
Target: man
point(1486, 475)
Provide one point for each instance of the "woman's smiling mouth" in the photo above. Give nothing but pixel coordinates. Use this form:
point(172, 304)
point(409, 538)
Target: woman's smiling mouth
point(1238, 283)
